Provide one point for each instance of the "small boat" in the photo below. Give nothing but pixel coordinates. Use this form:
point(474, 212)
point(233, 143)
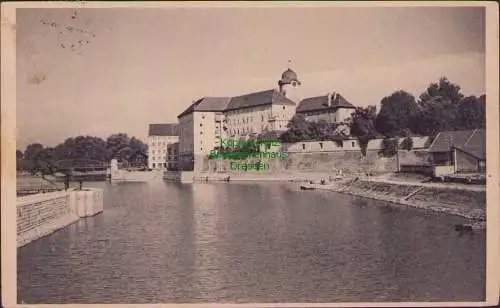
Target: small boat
point(468, 227)
point(303, 187)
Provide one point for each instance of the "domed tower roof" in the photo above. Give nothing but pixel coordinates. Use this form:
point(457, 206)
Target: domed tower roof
point(289, 77)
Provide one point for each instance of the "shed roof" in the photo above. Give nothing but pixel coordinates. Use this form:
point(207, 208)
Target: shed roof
point(471, 141)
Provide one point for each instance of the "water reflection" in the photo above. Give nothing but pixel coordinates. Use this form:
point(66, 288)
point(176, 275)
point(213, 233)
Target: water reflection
point(246, 242)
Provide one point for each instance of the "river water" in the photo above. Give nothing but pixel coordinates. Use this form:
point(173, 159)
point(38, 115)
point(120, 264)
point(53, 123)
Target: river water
point(247, 242)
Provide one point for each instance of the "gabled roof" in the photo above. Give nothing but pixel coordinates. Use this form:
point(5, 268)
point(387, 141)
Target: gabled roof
point(209, 104)
point(258, 99)
point(320, 103)
point(466, 140)
point(168, 129)
point(476, 144)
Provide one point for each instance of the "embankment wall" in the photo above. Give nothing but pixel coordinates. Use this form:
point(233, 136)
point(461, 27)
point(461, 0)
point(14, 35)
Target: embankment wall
point(466, 203)
point(135, 176)
point(41, 214)
point(347, 161)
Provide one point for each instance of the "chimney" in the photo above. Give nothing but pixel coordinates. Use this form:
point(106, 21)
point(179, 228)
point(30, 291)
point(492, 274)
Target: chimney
point(335, 95)
point(329, 99)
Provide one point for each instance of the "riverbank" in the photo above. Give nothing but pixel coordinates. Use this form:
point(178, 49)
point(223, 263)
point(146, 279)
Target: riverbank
point(468, 203)
point(261, 176)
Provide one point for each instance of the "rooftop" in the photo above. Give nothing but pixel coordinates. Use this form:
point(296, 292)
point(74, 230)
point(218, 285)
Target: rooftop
point(470, 141)
point(207, 104)
point(320, 103)
point(258, 99)
point(167, 129)
point(221, 104)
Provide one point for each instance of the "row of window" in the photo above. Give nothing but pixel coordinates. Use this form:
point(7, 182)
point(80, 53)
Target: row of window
point(353, 144)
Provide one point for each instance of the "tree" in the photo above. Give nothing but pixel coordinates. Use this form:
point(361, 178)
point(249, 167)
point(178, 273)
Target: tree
point(362, 124)
point(389, 147)
point(471, 113)
point(321, 130)
point(137, 145)
point(298, 130)
point(438, 108)
point(115, 143)
point(444, 89)
point(396, 114)
point(407, 144)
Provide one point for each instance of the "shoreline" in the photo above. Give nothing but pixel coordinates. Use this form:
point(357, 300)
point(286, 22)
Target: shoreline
point(404, 193)
point(476, 215)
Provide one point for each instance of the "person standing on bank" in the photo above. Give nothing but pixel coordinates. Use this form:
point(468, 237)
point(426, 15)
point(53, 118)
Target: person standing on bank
point(66, 182)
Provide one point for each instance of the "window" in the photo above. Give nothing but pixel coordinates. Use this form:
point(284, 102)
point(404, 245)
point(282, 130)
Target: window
point(353, 144)
point(283, 107)
point(321, 145)
point(201, 125)
point(201, 149)
point(303, 146)
point(202, 117)
point(154, 165)
point(201, 133)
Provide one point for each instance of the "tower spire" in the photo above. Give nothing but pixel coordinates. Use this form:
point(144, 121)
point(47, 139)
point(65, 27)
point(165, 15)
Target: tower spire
point(289, 63)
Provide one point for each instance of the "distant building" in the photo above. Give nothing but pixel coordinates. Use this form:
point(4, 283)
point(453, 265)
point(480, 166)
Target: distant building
point(333, 108)
point(464, 150)
point(173, 156)
point(159, 136)
point(206, 121)
point(139, 160)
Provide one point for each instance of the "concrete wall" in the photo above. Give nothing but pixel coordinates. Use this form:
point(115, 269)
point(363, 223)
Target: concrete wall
point(122, 175)
point(41, 214)
point(179, 176)
point(136, 176)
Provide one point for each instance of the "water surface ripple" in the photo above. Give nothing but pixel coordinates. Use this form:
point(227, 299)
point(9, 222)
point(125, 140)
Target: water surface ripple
point(246, 242)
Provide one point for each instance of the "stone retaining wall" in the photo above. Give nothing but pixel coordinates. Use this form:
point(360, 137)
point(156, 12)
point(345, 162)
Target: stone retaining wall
point(41, 214)
point(347, 161)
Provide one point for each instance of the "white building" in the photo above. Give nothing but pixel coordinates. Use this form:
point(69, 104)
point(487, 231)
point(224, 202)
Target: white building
point(159, 137)
point(332, 108)
point(207, 120)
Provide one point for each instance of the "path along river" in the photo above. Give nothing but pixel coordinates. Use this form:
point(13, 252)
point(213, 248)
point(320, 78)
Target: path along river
point(250, 242)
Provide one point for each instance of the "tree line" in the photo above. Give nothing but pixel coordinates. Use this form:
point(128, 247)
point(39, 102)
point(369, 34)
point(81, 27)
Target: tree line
point(441, 107)
point(38, 158)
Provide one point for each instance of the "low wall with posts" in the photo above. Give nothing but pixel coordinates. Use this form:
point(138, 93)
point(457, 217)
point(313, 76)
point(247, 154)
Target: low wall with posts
point(42, 214)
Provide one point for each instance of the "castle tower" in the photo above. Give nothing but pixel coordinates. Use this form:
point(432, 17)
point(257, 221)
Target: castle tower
point(288, 84)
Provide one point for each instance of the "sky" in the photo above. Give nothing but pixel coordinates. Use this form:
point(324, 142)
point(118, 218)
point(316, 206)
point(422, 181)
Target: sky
point(103, 71)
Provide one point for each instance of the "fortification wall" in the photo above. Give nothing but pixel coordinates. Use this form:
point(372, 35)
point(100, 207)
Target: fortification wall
point(347, 161)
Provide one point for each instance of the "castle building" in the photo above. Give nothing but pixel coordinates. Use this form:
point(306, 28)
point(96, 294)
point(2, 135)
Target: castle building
point(160, 136)
point(206, 121)
point(333, 108)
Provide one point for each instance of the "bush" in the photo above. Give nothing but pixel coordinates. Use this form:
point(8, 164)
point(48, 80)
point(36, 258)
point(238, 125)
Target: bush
point(389, 147)
point(407, 144)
